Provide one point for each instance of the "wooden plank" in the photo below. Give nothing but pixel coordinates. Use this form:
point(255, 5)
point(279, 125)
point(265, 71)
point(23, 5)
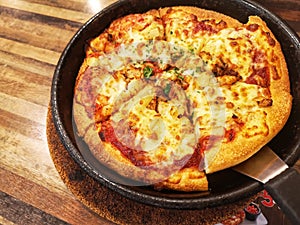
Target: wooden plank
point(62, 13)
point(21, 213)
point(21, 107)
point(87, 6)
point(29, 157)
point(11, 72)
point(281, 4)
point(10, 121)
point(25, 85)
point(29, 51)
point(20, 63)
point(66, 208)
point(76, 5)
point(288, 10)
point(39, 35)
point(39, 18)
point(290, 15)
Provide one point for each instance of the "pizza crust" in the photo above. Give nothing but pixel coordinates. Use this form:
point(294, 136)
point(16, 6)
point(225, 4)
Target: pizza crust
point(202, 14)
point(184, 180)
point(187, 179)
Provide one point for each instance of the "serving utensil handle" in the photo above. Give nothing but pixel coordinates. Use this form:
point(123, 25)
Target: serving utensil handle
point(285, 190)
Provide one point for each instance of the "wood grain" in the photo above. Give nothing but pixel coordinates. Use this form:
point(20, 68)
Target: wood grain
point(33, 34)
point(288, 10)
point(25, 213)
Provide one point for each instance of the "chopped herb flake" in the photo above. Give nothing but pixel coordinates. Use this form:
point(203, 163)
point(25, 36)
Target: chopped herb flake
point(198, 69)
point(148, 72)
point(180, 77)
point(192, 115)
point(167, 89)
point(176, 70)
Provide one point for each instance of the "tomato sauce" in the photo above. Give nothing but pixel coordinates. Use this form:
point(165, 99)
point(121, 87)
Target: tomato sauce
point(230, 135)
point(252, 27)
point(137, 157)
point(196, 160)
point(140, 159)
point(202, 26)
point(260, 76)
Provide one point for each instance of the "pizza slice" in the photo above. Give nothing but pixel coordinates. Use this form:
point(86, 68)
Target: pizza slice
point(250, 68)
point(141, 128)
point(192, 27)
point(123, 31)
point(128, 29)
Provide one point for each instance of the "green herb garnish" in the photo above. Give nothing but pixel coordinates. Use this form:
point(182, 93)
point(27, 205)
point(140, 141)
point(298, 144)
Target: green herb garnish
point(198, 69)
point(192, 115)
point(167, 89)
point(148, 72)
point(176, 70)
point(180, 77)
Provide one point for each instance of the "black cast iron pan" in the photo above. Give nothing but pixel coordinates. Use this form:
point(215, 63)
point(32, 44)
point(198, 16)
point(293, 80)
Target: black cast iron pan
point(226, 186)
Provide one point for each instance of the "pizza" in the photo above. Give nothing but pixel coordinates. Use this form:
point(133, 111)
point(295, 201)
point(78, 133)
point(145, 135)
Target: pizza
point(168, 96)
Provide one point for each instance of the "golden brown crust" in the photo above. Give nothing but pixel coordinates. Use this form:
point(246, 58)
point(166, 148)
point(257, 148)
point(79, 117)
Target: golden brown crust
point(230, 153)
point(80, 114)
point(119, 32)
point(81, 119)
point(83, 103)
point(187, 179)
point(184, 180)
point(202, 14)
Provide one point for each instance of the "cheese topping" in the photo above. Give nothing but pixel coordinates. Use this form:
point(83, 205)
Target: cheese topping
point(159, 110)
point(212, 99)
point(168, 91)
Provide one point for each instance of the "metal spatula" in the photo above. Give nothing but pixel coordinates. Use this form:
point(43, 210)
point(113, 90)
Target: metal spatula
point(281, 182)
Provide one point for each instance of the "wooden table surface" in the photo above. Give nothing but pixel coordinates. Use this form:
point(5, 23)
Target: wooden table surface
point(33, 34)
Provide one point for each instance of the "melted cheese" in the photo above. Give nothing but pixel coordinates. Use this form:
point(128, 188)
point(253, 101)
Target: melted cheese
point(162, 133)
point(206, 106)
point(245, 108)
point(232, 47)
